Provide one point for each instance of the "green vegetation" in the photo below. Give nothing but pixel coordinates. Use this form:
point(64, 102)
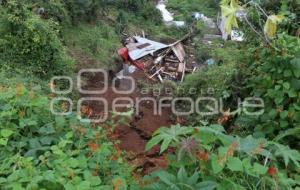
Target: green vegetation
point(30, 43)
point(40, 39)
point(96, 42)
point(277, 80)
point(40, 151)
point(208, 158)
point(184, 9)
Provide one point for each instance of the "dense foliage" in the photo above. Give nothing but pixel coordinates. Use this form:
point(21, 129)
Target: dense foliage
point(42, 151)
point(275, 76)
point(207, 158)
point(30, 43)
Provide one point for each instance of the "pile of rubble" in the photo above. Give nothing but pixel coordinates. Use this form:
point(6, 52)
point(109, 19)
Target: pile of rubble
point(159, 61)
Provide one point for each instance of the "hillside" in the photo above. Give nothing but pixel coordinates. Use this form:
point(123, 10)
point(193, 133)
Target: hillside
point(143, 94)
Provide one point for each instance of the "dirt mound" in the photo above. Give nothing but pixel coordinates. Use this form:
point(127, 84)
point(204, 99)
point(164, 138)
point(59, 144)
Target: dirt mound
point(142, 125)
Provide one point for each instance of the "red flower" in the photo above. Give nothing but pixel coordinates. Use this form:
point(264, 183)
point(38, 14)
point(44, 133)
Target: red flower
point(272, 171)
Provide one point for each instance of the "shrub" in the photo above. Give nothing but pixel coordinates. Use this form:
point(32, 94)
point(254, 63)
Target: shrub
point(86, 10)
point(185, 9)
point(43, 151)
point(31, 43)
point(54, 9)
point(220, 80)
point(207, 158)
point(276, 79)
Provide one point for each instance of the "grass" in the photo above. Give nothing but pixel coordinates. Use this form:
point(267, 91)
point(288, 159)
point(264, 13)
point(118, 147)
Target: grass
point(156, 30)
point(218, 76)
point(98, 42)
point(184, 9)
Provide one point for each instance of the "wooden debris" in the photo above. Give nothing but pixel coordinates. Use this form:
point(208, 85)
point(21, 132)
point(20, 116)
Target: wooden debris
point(161, 62)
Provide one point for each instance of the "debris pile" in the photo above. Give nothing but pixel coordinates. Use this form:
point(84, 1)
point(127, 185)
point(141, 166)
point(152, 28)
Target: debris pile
point(159, 61)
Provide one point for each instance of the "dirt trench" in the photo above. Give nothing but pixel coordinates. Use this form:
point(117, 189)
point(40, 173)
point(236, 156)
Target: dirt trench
point(142, 125)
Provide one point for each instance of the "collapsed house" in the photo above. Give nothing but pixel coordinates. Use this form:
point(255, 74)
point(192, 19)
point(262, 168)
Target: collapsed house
point(159, 61)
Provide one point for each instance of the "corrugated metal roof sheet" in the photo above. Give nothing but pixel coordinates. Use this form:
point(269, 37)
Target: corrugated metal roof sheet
point(143, 47)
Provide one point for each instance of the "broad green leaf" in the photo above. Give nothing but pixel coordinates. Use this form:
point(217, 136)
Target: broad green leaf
point(295, 83)
point(249, 144)
point(259, 169)
point(229, 12)
point(154, 141)
point(94, 180)
point(296, 63)
point(193, 179)
point(73, 163)
point(284, 114)
point(84, 185)
point(235, 164)
point(182, 175)
point(165, 145)
point(216, 164)
point(286, 85)
point(213, 132)
point(34, 143)
point(168, 136)
point(47, 140)
point(270, 27)
point(6, 133)
point(3, 141)
point(166, 177)
point(229, 184)
point(207, 185)
point(287, 154)
point(292, 93)
point(287, 73)
point(286, 133)
point(69, 135)
point(2, 180)
point(225, 2)
point(49, 175)
point(60, 121)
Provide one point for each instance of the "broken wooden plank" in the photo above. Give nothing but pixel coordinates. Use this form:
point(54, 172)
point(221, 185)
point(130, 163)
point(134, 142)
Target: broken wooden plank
point(183, 73)
point(181, 68)
point(172, 69)
point(172, 60)
point(179, 52)
point(157, 72)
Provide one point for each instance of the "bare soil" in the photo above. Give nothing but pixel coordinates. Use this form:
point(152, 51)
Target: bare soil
point(134, 137)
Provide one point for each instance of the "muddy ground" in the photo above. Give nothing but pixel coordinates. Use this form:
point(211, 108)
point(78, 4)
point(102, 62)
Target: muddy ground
point(134, 134)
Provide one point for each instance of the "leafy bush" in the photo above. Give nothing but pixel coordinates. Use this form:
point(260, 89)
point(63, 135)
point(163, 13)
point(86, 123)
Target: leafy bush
point(217, 76)
point(207, 158)
point(54, 9)
point(220, 80)
point(82, 10)
point(43, 151)
point(31, 43)
point(276, 79)
point(185, 9)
